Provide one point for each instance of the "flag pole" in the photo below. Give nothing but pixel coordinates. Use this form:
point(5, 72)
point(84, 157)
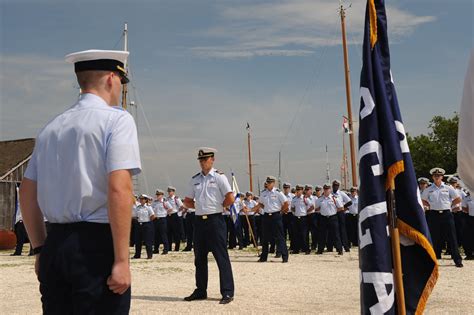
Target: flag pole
point(396, 255)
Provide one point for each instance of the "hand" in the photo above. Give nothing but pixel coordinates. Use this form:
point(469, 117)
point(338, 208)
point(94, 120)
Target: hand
point(120, 279)
point(37, 265)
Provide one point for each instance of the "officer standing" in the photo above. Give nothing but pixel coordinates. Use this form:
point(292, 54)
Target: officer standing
point(209, 193)
point(189, 225)
point(439, 198)
point(21, 235)
point(230, 233)
point(288, 217)
point(351, 218)
point(145, 229)
point(328, 205)
point(341, 218)
point(273, 203)
point(160, 208)
point(423, 182)
point(458, 214)
point(313, 218)
point(80, 178)
point(173, 220)
point(299, 208)
point(249, 205)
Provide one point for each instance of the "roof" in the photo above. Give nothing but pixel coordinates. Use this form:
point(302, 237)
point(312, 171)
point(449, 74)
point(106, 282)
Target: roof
point(13, 152)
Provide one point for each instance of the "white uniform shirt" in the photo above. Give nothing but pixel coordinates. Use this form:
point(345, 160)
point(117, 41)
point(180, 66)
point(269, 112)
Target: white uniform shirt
point(342, 196)
point(160, 208)
point(175, 203)
point(458, 206)
point(309, 202)
point(190, 210)
point(353, 209)
point(468, 202)
point(73, 155)
point(250, 204)
point(143, 213)
point(289, 197)
point(272, 200)
point(299, 206)
point(209, 192)
point(439, 198)
point(328, 205)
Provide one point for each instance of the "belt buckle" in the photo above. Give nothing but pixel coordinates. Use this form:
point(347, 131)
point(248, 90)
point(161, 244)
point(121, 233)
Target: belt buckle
point(204, 217)
point(440, 211)
point(270, 214)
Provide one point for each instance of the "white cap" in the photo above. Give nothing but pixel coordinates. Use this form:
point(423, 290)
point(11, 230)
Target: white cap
point(96, 54)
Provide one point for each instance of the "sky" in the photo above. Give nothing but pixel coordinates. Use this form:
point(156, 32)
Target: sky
point(202, 69)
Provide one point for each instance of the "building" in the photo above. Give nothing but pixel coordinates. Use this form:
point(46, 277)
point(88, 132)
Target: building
point(14, 157)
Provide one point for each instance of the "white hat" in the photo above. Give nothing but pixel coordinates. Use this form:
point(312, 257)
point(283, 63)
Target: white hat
point(94, 59)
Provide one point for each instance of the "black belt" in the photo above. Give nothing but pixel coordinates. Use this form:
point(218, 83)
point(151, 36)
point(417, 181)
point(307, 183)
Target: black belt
point(299, 217)
point(329, 216)
point(271, 213)
point(76, 226)
point(439, 211)
point(206, 216)
point(171, 214)
point(141, 223)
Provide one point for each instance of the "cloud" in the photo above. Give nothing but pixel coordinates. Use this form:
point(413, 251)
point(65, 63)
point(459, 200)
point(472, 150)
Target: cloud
point(292, 28)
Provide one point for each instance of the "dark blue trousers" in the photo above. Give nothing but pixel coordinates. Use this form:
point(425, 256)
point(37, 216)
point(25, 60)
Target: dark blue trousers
point(231, 237)
point(329, 230)
point(161, 234)
point(190, 217)
point(21, 238)
point(174, 231)
point(144, 234)
point(300, 229)
point(442, 223)
point(313, 228)
point(210, 233)
point(75, 263)
point(273, 230)
point(288, 228)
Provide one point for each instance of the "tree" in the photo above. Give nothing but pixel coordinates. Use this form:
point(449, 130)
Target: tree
point(438, 148)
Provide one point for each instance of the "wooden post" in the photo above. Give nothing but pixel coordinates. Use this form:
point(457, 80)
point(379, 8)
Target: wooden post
point(124, 86)
point(250, 162)
point(396, 255)
point(348, 96)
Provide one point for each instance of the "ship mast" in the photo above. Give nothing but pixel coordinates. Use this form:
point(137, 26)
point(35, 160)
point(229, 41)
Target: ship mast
point(342, 12)
point(250, 158)
point(125, 48)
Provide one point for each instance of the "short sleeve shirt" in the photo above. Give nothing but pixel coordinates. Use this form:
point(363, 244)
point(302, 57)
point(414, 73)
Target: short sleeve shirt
point(175, 203)
point(209, 192)
point(73, 155)
point(328, 205)
point(353, 209)
point(439, 198)
point(468, 202)
point(143, 213)
point(299, 206)
point(272, 200)
point(160, 208)
point(250, 204)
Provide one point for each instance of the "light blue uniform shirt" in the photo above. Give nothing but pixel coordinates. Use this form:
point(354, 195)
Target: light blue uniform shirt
point(73, 155)
point(353, 209)
point(272, 200)
point(160, 208)
point(175, 203)
point(209, 192)
point(142, 213)
point(439, 198)
point(299, 206)
point(468, 202)
point(328, 205)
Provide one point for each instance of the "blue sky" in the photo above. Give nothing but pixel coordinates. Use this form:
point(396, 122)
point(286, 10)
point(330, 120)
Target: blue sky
point(201, 69)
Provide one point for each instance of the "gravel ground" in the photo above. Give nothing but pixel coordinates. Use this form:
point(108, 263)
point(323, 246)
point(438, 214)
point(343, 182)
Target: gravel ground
point(307, 284)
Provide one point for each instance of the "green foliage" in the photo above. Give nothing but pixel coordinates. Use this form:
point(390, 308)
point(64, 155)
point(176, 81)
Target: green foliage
point(438, 148)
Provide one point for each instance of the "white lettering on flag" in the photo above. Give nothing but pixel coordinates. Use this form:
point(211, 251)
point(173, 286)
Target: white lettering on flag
point(373, 147)
point(379, 280)
point(369, 211)
point(369, 103)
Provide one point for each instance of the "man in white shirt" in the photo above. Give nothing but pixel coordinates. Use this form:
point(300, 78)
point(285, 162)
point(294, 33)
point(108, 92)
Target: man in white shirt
point(288, 217)
point(145, 229)
point(468, 208)
point(174, 221)
point(352, 218)
point(299, 207)
point(439, 198)
point(160, 208)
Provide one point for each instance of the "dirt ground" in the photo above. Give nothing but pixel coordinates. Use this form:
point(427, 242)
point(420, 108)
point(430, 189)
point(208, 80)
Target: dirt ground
point(307, 284)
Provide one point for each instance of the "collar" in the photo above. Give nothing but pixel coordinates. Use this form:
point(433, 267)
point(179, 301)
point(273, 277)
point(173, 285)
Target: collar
point(212, 173)
point(90, 99)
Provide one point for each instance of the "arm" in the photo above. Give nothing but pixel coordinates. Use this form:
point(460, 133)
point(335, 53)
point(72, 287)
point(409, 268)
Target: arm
point(456, 201)
point(284, 207)
point(119, 209)
point(228, 200)
point(188, 202)
point(32, 216)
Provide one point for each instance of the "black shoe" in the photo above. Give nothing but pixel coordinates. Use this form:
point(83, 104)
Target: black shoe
point(15, 254)
point(164, 253)
point(186, 249)
point(135, 257)
point(196, 296)
point(469, 258)
point(347, 250)
point(278, 256)
point(272, 251)
point(261, 260)
point(285, 260)
point(149, 257)
point(240, 248)
point(156, 251)
point(340, 253)
point(459, 265)
point(307, 252)
point(319, 253)
point(226, 299)
point(295, 252)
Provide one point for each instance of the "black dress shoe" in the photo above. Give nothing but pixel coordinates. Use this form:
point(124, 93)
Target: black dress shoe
point(156, 252)
point(459, 265)
point(307, 252)
point(285, 260)
point(135, 257)
point(278, 256)
point(340, 253)
point(15, 254)
point(319, 253)
point(187, 249)
point(149, 257)
point(226, 299)
point(261, 260)
point(347, 250)
point(196, 296)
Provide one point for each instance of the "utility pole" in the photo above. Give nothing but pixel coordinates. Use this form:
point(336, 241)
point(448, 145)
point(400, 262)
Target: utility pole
point(342, 12)
point(279, 170)
point(250, 158)
point(125, 48)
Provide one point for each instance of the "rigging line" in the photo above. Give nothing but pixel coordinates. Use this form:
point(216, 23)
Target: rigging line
point(147, 124)
point(118, 41)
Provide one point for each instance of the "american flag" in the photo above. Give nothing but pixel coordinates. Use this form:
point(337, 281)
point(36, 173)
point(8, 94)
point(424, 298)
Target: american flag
point(385, 163)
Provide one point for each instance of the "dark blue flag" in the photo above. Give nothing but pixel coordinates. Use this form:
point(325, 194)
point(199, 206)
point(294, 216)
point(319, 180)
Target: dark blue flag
point(385, 163)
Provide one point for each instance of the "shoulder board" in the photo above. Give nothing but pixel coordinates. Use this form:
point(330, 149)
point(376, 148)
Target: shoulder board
point(196, 175)
point(219, 172)
point(278, 190)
